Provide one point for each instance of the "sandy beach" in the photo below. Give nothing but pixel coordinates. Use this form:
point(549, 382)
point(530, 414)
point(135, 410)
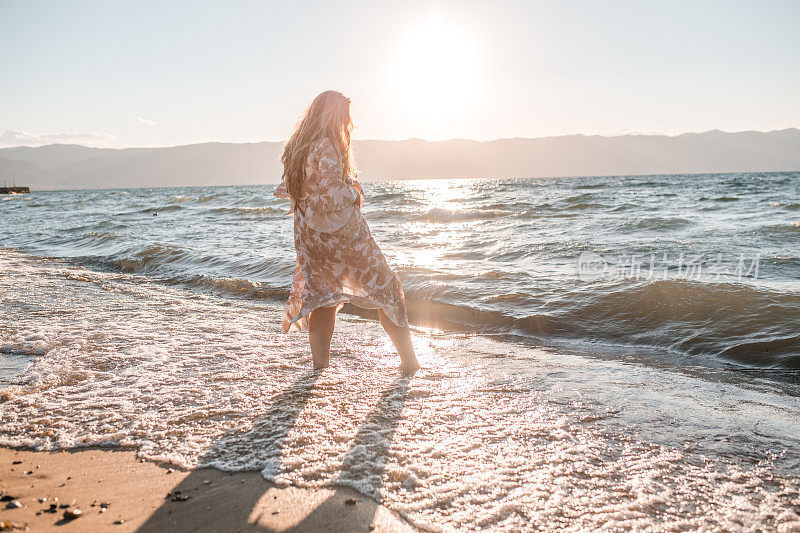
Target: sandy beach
point(145, 496)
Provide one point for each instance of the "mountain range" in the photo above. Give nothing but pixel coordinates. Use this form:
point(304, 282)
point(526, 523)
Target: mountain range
point(65, 166)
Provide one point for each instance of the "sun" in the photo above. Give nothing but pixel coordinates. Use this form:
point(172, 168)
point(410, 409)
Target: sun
point(437, 78)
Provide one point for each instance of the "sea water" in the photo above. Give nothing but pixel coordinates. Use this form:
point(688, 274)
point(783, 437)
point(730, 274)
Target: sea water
point(613, 352)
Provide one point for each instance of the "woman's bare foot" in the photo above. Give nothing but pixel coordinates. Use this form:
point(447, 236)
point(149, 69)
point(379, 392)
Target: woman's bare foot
point(401, 338)
point(409, 368)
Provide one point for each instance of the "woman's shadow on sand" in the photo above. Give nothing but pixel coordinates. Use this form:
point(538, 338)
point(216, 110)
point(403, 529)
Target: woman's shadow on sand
point(211, 500)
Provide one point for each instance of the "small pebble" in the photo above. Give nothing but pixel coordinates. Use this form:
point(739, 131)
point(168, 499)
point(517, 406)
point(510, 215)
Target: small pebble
point(206, 481)
point(72, 514)
point(176, 496)
point(170, 470)
point(16, 462)
point(42, 500)
point(104, 504)
point(102, 509)
point(119, 522)
point(13, 504)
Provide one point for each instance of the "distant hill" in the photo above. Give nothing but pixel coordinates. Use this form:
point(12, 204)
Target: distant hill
point(72, 166)
point(22, 173)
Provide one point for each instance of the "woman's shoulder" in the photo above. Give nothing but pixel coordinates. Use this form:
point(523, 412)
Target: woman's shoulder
point(323, 153)
point(323, 146)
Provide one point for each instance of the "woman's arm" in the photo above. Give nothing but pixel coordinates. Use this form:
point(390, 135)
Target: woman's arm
point(334, 191)
point(357, 187)
point(282, 192)
point(331, 198)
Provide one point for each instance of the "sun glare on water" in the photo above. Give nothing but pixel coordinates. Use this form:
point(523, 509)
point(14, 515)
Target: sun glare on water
point(437, 76)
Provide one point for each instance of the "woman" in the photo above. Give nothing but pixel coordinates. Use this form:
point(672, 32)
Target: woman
point(337, 259)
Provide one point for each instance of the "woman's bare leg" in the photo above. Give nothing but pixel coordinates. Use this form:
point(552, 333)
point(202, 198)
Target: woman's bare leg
point(320, 330)
point(401, 337)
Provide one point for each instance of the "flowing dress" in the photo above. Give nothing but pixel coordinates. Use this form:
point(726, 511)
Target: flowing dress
point(337, 259)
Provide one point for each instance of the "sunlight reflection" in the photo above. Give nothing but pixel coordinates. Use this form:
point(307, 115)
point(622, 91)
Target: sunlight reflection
point(438, 193)
point(437, 229)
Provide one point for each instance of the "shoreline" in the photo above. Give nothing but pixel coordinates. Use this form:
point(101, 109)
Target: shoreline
point(148, 496)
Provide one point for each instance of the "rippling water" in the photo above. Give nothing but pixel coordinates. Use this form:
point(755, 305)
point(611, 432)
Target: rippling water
point(490, 256)
point(660, 395)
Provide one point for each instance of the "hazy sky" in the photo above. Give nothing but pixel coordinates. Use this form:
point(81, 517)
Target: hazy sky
point(172, 72)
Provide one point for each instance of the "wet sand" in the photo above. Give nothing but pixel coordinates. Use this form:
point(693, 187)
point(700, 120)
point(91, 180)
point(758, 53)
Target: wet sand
point(144, 496)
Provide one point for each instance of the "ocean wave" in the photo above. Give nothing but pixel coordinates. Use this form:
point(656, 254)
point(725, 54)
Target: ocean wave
point(720, 321)
point(580, 198)
point(148, 257)
point(781, 231)
point(763, 353)
point(736, 322)
point(156, 209)
point(582, 206)
point(445, 216)
point(249, 212)
point(209, 198)
point(659, 223)
point(240, 288)
point(97, 241)
point(102, 225)
point(389, 196)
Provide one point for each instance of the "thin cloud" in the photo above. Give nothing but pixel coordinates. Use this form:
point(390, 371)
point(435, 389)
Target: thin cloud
point(24, 138)
point(145, 121)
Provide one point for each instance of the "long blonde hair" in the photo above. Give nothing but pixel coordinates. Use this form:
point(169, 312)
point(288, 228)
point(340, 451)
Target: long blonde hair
point(327, 116)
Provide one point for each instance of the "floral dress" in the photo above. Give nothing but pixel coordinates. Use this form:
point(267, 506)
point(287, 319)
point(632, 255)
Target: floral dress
point(337, 259)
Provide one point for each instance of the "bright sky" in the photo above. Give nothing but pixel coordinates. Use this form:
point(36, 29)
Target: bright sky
point(157, 73)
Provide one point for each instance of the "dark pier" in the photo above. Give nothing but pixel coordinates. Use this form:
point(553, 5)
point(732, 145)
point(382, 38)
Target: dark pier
point(14, 190)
